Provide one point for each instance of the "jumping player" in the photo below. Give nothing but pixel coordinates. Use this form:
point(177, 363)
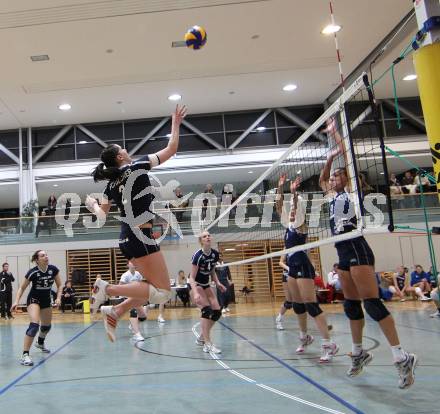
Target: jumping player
point(356, 272)
point(136, 242)
point(41, 277)
point(302, 273)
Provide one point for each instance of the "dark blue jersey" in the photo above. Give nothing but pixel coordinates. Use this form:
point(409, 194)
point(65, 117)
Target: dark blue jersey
point(42, 281)
point(342, 214)
point(115, 189)
point(400, 279)
point(293, 238)
point(205, 264)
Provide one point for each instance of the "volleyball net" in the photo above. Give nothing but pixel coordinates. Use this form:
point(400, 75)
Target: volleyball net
point(350, 133)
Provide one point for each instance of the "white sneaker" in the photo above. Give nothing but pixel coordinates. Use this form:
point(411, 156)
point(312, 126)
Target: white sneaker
point(200, 341)
point(328, 352)
point(224, 310)
point(42, 348)
point(211, 348)
point(435, 314)
point(110, 322)
point(26, 360)
point(306, 341)
point(279, 323)
point(160, 319)
point(130, 328)
point(137, 337)
point(98, 294)
point(425, 299)
point(227, 310)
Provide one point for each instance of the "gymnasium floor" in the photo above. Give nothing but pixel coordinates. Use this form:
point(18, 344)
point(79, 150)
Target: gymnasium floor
point(258, 371)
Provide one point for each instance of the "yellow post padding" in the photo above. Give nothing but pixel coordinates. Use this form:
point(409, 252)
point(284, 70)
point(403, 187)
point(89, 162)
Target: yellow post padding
point(427, 64)
point(86, 305)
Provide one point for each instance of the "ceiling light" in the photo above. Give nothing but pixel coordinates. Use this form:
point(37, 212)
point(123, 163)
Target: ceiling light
point(289, 87)
point(55, 185)
point(39, 58)
point(330, 29)
point(261, 129)
point(64, 107)
point(410, 77)
point(382, 173)
point(298, 172)
point(82, 142)
point(175, 97)
point(229, 250)
point(250, 172)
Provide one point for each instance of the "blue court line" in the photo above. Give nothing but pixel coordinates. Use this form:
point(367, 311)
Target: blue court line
point(297, 372)
point(11, 384)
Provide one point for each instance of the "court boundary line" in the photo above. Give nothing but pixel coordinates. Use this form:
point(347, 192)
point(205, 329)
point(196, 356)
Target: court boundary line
point(296, 371)
point(243, 377)
point(52, 354)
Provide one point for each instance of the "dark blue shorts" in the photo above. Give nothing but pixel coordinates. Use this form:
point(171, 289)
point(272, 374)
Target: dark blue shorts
point(300, 267)
point(131, 246)
point(42, 300)
point(355, 252)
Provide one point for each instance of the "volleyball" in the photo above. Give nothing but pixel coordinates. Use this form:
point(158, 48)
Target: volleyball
point(195, 38)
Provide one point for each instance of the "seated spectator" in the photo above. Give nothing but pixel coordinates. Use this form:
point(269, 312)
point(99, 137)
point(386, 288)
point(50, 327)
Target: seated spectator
point(182, 290)
point(419, 278)
point(401, 285)
point(385, 293)
point(395, 191)
point(408, 178)
point(68, 296)
point(432, 279)
point(333, 281)
point(323, 294)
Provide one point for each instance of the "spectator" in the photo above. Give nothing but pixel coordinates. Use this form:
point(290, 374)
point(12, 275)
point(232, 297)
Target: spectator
point(224, 277)
point(52, 204)
point(435, 296)
point(68, 296)
point(44, 223)
point(6, 280)
point(419, 278)
point(208, 190)
point(395, 191)
point(178, 211)
point(365, 187)
point(432, 279)
point(182, 290)
point(333, 281)
point(408, 178)
point(385, 293)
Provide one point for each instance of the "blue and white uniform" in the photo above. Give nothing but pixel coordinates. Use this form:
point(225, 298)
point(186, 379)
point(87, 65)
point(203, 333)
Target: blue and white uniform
point(129, 244)
point(205, 263)
point(41, 285)
point(299, 263)
point(353, 252)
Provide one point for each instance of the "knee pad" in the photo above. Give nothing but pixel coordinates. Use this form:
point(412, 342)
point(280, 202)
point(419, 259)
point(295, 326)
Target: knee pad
point(159, 296)
point(142, 319)
point(133, 313)
point(207, 312)
point(298, 308)
point(313, 309)
point(45, 328)
point(216, 314)
point(287, 304)
point(376, 309)
point(418, 290)
point(32, 330)
point(353, 309)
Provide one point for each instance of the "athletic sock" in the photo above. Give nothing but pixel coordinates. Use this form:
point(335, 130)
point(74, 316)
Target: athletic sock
point(302, 335)
point(325, 342)
point(356, 349)
point(399, 353)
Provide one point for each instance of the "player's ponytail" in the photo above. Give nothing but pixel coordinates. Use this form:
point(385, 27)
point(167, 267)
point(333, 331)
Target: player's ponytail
point(108, 168)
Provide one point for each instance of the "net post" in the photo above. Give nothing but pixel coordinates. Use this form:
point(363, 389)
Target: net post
point(375, 114)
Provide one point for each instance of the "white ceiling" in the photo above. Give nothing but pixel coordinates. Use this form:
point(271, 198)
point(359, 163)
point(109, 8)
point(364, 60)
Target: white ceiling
point(143, 68)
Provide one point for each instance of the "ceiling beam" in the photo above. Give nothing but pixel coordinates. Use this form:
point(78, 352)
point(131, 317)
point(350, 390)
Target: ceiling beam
point(360, 118)
point(10, 154)
point(299, 122)
point(92, 135)
point(51, 143)
point(202, 135)
point(250, 129)
point(141, 143)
